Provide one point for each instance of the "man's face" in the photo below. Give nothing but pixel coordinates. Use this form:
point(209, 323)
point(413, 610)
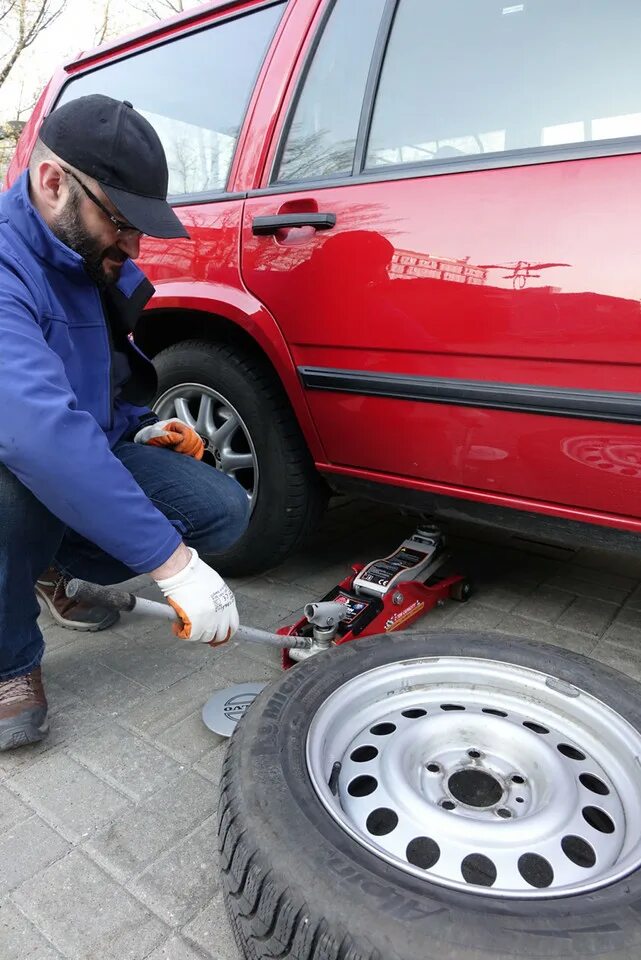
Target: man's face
point(86, 229)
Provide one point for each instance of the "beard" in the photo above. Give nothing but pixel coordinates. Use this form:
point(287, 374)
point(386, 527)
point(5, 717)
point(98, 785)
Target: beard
point(69, 228)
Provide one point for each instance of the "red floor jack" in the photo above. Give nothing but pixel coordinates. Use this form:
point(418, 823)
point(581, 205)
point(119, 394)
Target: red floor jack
point(381, 596)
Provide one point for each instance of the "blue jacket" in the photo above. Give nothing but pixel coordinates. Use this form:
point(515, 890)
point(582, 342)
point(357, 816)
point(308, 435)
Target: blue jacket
point(61, 412)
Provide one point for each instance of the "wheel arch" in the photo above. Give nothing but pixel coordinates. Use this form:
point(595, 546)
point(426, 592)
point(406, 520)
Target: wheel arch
point(165, 324)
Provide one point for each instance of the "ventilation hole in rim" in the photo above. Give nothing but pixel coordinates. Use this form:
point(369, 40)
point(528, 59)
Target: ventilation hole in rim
point(535, 727)
point(423, 852)
point(494, 713)
point(414, 713)
point(362, 786)
point(598, 819)
point(578, 851)
point(383, 729)
point(590, 782)
point(381, 821)
point(363, 754)
point(478, 870)
point(536, 870)
point(571, 752)
point(451, 706)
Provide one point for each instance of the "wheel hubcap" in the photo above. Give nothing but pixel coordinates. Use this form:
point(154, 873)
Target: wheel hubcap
point(482, 776)
point(228, 444)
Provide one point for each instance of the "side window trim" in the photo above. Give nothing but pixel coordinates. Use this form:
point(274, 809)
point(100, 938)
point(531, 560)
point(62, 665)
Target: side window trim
point(300, 84)
point(204, 196)
point(371, 88)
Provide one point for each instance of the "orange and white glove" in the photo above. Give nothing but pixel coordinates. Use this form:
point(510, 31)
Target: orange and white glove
point(203, 601)
point(174, 434)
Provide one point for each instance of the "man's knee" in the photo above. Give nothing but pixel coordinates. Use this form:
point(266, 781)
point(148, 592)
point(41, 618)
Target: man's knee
point(226, 510)
point(237, 511)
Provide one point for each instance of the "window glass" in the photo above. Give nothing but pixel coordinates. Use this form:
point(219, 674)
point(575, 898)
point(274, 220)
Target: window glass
point(322, 135)
point(194, 90)
point(469, 77)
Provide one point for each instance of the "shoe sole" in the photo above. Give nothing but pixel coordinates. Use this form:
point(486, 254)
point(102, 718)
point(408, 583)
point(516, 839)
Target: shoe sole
point(107, 621)
point(23, 731)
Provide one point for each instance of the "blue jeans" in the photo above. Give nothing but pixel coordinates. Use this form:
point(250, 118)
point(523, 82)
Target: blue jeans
point(207, 507)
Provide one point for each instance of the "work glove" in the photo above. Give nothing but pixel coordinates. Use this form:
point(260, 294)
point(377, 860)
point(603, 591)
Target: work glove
point(203, 601)
point(175, 434)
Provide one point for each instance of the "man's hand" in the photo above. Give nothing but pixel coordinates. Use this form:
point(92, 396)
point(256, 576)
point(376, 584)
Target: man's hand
point(203, 601)
point(175, 434)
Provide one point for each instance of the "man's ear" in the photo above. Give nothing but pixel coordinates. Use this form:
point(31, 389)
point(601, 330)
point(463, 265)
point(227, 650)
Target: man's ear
point(52, 186)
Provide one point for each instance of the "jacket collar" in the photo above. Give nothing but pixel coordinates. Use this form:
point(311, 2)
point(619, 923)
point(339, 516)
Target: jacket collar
point(16, 205)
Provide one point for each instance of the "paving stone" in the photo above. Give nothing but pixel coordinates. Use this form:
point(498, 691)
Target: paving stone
point(239, 668)
point(266, 590)
point(546, 633)
point(68, 795)
point(211, 766)
point(124, 760)
point(503, 596)
point(211, 931)
point(189, 739)
point(180, 883)
point(178, 949)
point(591, 617)
point(620, 656)
point(25, 850)
point(87, 915)
point(19, 939)
point(162, 711)
point(592, 589)
point(149, 654)
point(472, 616)
point(626, 627)
point(634, 600)
point(545, 603)
point(12, 810)
point(147, 831)
point(77, 670)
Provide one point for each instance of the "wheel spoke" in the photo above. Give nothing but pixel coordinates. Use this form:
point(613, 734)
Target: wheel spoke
point(236, 461)
point(183, 411)
point(205, 419)
point(221, 434)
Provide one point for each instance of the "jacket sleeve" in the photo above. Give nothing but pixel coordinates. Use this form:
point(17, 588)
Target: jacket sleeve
point(60, 452)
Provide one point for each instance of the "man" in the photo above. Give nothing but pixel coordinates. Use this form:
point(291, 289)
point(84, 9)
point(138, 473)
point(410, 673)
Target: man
point(89, 479)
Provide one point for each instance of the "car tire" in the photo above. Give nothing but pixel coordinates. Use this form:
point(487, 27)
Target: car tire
point(298, 885)
point(290, 496)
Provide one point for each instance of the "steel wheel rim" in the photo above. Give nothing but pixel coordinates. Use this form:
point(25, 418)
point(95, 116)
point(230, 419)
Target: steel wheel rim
point(551, 824)
point(221, 427)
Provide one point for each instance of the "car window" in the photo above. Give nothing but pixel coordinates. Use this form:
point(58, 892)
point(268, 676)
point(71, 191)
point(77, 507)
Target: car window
point(466, 78)
point(322, 134)
point(194, 90)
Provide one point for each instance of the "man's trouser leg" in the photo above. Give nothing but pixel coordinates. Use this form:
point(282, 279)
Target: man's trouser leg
point(29, 538)
point(209, 509)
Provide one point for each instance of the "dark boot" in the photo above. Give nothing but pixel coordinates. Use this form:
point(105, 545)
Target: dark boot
point(23, 711)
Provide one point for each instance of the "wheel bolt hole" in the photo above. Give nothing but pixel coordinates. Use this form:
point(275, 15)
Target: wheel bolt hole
point(474, 754)
point(518, 779)
point(448, 804)
point(433, 768)
point(504, 814)
point(520, 800)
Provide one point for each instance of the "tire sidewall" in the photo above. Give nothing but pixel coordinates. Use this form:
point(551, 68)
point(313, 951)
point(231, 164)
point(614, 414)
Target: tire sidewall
point(332, 869)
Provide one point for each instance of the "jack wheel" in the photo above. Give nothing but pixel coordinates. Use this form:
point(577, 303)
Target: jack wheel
point(461, 591)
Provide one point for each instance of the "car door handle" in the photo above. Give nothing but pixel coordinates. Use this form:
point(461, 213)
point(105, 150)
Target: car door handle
point(264, 226)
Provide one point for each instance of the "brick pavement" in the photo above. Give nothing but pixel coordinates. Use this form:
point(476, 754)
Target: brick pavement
point(107, 829)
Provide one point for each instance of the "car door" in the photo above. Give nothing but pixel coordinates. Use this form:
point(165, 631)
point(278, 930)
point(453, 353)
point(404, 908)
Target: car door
point(448, 239)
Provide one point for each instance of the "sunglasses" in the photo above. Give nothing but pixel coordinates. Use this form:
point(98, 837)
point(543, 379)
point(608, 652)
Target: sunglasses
point(121, 226)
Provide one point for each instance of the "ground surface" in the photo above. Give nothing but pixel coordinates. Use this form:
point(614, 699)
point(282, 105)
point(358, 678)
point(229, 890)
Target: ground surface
point(108, 829)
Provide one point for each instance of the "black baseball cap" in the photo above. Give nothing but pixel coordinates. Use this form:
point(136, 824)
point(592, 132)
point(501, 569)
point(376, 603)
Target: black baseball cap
point(110, 141)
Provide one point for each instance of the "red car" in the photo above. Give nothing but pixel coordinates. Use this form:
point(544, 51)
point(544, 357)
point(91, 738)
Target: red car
point(414, 270)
